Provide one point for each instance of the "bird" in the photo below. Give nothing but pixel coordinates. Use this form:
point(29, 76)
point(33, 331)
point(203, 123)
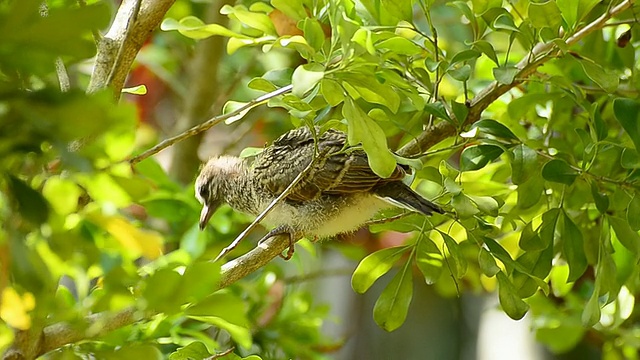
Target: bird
point(337, 194)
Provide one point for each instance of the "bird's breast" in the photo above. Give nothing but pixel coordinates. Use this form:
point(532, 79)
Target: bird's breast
point(327, 217)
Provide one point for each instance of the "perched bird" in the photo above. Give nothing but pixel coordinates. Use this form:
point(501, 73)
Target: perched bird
point(337, 194)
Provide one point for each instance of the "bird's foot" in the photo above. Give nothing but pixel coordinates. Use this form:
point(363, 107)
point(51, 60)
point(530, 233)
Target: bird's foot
point(291, 234)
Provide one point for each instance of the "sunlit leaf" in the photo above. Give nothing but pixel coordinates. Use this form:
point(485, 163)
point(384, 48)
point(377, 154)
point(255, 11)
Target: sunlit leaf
point(429, 260)
point(15, 308)
point(373, 266)
point(305, 77)
point(364, 130)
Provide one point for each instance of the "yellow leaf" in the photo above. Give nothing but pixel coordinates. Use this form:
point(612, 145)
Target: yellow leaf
point(141, 242)
point(14, 308)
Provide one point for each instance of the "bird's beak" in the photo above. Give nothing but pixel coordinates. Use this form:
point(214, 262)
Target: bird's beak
point(207, 211)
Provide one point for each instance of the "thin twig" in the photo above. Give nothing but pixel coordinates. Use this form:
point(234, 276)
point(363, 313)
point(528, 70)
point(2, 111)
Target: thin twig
point(63, 76)
point(389, 219)
point(540, 54)
point(221, 354)
point(266, 211)
point(208, 124)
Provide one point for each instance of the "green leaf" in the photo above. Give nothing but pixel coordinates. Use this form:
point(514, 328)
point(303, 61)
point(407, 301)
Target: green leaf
point(460, 111)
point(487, 263)
point(135, 90)
point(254, 20)
point(400, 46)
point(530, 240)
point(313, 32)
point(627, 112)
point(294, 9)
point(62, 194)
point(505, 74)
point(627, 237)
point(372, 91)
point(546, 14)
point(261, 84)
point(400, 9)
point(437, 109)
point(364, 130)
point(462, 73)
point(633, 213)
point(524, 164)
point(573, 248)
point(511, 303)
point(486, 204)
point(601, 199)
point(222, 304)
point(599, 125)
point(591, 312)
point(31, 204)
point(194, 28)
point(547, 230)
point(477, 156)
point(429, 260)
point(465, 55)
point(486, 48)
point(199, 280)
point(530, 192)
point(505, 22)
point(332, 92)
point(559, 171)
point(607, 80)
point(390, 310)
point(494, 128)
point(459, 266)
point(629, 159)
point(373, 266)
point(305, 78)
point(159, 290)
point(195, 350)
point(147, 352)
point(463, 206)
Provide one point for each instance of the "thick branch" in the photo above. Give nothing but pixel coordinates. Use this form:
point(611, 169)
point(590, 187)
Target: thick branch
point(61, 334)
point(133, 24)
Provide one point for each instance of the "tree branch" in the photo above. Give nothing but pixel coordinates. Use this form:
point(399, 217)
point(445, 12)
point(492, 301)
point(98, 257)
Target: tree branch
point(134, 22)
point(60, 334)
point(208, 124)
point(540, 54)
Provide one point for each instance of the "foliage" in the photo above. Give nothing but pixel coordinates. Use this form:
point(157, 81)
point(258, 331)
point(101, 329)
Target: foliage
point(542, 191)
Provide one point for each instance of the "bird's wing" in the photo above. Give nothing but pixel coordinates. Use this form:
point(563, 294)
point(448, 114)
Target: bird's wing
point(337, 170)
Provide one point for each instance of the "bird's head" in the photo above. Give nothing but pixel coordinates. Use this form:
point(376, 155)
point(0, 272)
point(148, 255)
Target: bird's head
point(211, 184)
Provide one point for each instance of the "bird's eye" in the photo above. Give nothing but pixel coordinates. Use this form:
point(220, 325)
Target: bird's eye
point(204, 192)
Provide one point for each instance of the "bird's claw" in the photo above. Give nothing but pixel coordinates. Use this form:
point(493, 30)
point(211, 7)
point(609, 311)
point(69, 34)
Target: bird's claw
point(287, 231)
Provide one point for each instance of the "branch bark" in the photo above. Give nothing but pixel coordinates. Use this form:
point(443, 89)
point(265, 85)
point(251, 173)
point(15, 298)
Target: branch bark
point(134, 22)
point(60, 334)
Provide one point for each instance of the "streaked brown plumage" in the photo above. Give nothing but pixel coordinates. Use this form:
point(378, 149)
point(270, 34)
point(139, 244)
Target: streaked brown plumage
point(337, 195)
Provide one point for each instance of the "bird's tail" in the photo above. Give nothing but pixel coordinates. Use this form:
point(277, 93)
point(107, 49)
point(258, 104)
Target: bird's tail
point(401, 195)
